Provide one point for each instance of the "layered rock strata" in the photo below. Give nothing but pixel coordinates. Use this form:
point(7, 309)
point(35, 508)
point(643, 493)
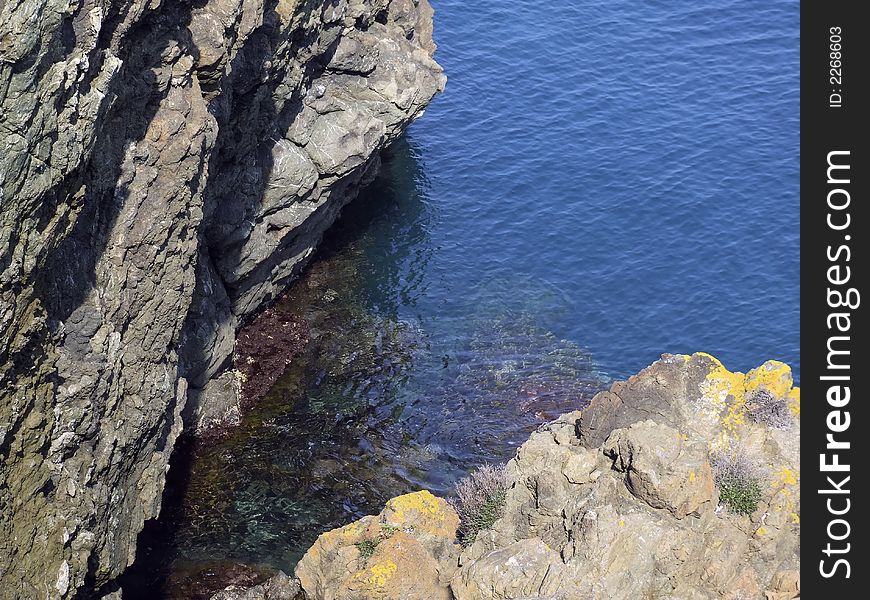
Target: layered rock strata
point(168, 168)
point(624, 499)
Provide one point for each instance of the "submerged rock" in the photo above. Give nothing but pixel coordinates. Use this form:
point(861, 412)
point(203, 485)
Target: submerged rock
point(203, 581)
point(278, 587)
point(617, 501)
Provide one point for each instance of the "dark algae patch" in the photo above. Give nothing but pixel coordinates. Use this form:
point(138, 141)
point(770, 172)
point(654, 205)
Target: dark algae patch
point(266, 347)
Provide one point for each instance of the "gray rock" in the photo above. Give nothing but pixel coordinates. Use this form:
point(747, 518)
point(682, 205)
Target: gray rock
point(155, 188)
point(216, 404)
point(662, 468)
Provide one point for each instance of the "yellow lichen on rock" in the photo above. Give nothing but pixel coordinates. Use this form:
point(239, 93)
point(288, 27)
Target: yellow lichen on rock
point(378, 574)
point(787, 476)
point(773, 376)
point(426, 513)
point(422, 501)
point(406, 544)
point(400, 567)
point(722, 383)
point(718, 387)
point(350, 533)
point(785, 487)
point(736, 415)
point(728, 393)
point(351, 530)
point(794, 401)
point(784, 505)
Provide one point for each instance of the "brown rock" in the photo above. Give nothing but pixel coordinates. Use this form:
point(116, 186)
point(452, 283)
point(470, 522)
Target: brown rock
point(406, 552)
point(400, 568)
point(786, 585)
point(524, 569)
point(662, 467)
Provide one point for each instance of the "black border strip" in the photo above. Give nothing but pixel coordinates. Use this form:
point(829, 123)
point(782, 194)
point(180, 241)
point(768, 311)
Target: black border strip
point(834, 225)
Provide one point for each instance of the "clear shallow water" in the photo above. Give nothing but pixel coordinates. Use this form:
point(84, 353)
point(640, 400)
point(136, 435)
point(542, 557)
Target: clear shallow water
point(600, 183)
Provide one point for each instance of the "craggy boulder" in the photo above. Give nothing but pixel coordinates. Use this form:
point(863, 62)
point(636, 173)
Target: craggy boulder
point(168, 168)
point(407, 552)
point(663, 468)
point(525, 569)
point(623, 492)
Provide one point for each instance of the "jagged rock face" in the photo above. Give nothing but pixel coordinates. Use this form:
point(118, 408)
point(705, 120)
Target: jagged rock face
point(168, 167)
point(619, 501)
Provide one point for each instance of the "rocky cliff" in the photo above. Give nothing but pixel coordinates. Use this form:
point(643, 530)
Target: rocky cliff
point(679, 483)
point(168, 167)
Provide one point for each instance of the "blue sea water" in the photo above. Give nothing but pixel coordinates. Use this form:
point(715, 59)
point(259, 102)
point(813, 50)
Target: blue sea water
point(600, 183)
point(636, 160)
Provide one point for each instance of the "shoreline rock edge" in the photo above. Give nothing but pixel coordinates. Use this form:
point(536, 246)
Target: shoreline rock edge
point(620, 500)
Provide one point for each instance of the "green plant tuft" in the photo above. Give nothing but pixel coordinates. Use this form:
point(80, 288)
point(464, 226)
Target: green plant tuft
point(738, 480)
point(367, 547)
point(741, 496)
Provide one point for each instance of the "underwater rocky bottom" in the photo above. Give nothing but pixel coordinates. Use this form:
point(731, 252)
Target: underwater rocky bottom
point(374, 403)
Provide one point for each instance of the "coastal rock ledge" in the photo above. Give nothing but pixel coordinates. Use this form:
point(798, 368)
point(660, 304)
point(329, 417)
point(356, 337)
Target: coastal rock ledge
point(168, 167)
point(680, 483)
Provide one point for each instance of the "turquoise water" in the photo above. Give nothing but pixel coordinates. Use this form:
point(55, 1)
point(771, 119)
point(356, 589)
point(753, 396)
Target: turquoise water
point(599, 184)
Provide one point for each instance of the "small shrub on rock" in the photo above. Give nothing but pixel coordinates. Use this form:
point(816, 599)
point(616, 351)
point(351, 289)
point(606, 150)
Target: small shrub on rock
point(480, 500)
point(767, 409)
point(738, 481)
point(367, 547)
point(741, 497)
